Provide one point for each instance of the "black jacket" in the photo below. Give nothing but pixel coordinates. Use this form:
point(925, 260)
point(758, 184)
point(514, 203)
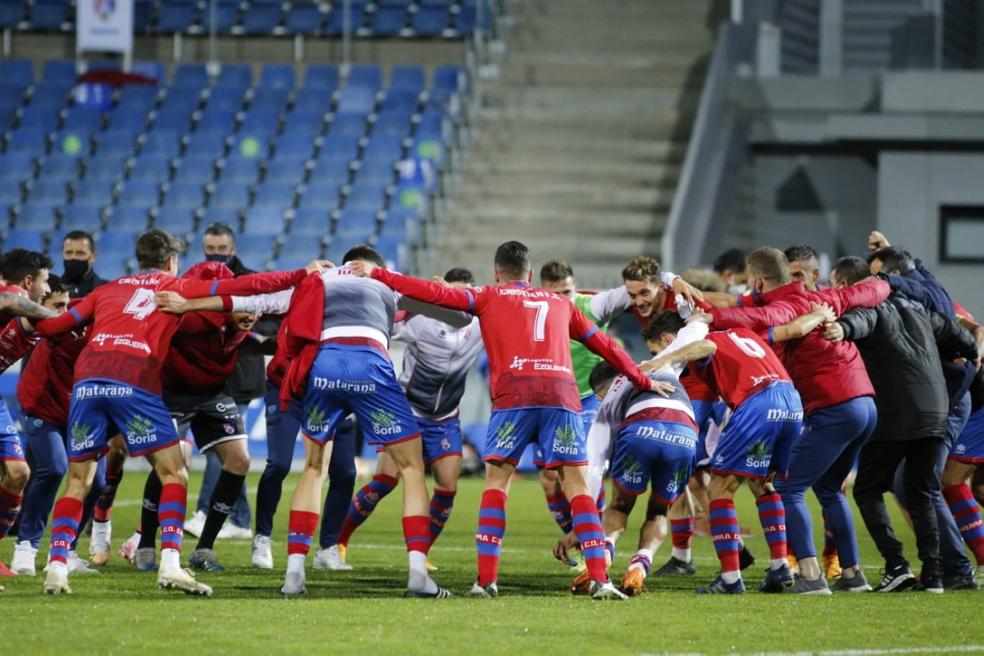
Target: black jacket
point(248, 381)
point(901, 343)
point(82, 287)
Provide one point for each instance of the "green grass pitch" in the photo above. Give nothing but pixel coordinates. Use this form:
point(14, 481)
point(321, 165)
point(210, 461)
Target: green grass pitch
point(120, 611)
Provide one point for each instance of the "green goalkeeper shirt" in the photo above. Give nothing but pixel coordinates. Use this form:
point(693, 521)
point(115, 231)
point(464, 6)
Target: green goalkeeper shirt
point(601, 308)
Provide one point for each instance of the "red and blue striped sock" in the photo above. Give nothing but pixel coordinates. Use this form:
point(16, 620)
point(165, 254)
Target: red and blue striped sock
point(561, 511)
point(104, 504)
point(363, 504)
point(602, 499)
point(171, 515)
point(642, 559)
point(682, 536)
point(590, 535)
point(726, 534)
point(488, 537)
point(440, 510)
point(10, 506)
point(772, 515)
point(968, 516)
point(300, 530)
point(64, 527)
point(417, 533)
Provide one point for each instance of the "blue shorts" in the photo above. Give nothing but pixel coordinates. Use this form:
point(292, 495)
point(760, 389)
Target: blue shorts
point(556, 431)
point(360, 380)
point(10, 443)
point(441, 438)
point(706, 412)
point(659, 451)
point(101, 408)
point(969, 446)
point(760, 434)
point(589, 410)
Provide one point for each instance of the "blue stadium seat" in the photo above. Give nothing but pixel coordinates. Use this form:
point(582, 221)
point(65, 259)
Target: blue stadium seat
point(392, 126)
point(206, 144)
point(254, 247)
point(104, 167)
point(321, 76)
point(388, 21)
point(294, 147)
point(230, 195)
point(176, 220)
point(409, 199)
point(10, 194)
point(114, 267)
point(27, 140)
point(40, 116)
point(94, 192)
point(300, 246)
point(128, 218)
point(391, 250)
point(303, 123)
point(323, 197)
point(59, 71)
point(81, 217)
point(50, 192)
point(356, 100)
point(239, 169)
point(274, 194)
point(445, 4)
point(356, 220)
point(81, 117)
point(32, 240)
point(310, 221)
point(357, 235)
point(195, 169)
point(336, 24)
point(37, 216)
point(365, 197)
point(141, 96)
point(49, 94)
point(225, 16)
point(11, 14)
point(382, 148)
point(139, 192)
point(399, 4)
point(285, 172)
point(250, 146)
point(176, 119)
point(15, 167)
point(18, 72)
point(114, 142)
point(277, 76)
point(238, 76)
point(60, 167)
point(151, 168)
point(152, 69)
point(427, 148)
point(448, 80)
point(432, 124)
point(118, 245)
point(175, 16)
point(48, 15)
point(400, 102)
point(313, 99)
point(264, 220)
point(127, 118)
point(217, 120)
point(190, 77)
point(429, 21)
point(375, 172)
point(259, 123)
point(187, 195)
point(261, 19)
point(352, 125)
point(368, 76)
point(182, 98)
point(269, 99)
point(329, 174)
point(339, 148)
point(398, 222)
point(303, 18)
point(229, 99)
point(71, 143)
point(164, 143)
point(226, 215)
point(7, 115)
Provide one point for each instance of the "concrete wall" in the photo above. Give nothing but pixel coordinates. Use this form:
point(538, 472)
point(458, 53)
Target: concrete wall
point(911, 188)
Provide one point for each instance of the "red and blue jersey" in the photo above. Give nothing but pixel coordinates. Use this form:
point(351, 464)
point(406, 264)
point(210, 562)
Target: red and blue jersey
point(129, 337)
point(527, 333)
point(742, 365)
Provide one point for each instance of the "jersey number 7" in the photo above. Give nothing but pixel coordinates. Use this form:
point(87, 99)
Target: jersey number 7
point(540, 321)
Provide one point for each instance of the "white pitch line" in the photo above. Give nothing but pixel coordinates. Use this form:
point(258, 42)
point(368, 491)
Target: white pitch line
point(955, 649)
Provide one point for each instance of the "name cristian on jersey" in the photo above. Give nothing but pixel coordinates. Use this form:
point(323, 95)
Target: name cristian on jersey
point(538, 364)
point(647, 432)
point(95, 390)
point(121, 340)
point(322, 383)
point(527, 292)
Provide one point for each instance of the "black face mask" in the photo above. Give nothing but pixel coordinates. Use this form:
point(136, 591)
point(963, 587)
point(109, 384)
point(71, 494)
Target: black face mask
point(75, 270)
point(216, 257)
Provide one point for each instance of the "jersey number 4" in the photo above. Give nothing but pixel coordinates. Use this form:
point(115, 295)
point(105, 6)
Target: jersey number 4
point(141, 304)
point(540, 321)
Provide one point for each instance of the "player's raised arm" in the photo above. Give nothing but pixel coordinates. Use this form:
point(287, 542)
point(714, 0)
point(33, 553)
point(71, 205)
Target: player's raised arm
point(804, 324)
point(21, 306)
point(758, 319)
point(583, 330)
point(866, 294)
point(417, 288)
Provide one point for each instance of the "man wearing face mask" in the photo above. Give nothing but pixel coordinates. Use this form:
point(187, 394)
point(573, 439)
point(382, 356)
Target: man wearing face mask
point(79, 255)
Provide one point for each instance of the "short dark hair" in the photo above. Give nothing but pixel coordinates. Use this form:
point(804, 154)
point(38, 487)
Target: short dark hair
point(769, 263)
point(893, 259)
point(221, 229)
point(800, 253)
point(459, 274)
point(155, 247)
point(704, 279)
point(78, 235)
point(513, 259)
point(556, 271)
point(19, 263)
point(364, 252)
point(732, 259)
point(665, 322)
point(56, 285)
point(850, 269)
point(601, 376)
point(642, 267)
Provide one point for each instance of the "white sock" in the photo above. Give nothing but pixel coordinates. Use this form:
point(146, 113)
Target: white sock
point(170, 559)
point(295, 563)
point(681, 554)
point(100, 535)
point(730, 577)
point(778, 563)
point(418, 562)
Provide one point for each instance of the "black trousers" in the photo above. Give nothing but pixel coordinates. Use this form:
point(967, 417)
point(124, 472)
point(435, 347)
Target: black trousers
point(876, 472)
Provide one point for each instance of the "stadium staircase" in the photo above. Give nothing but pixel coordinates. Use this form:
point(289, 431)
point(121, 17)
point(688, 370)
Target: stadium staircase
point(582, 134)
